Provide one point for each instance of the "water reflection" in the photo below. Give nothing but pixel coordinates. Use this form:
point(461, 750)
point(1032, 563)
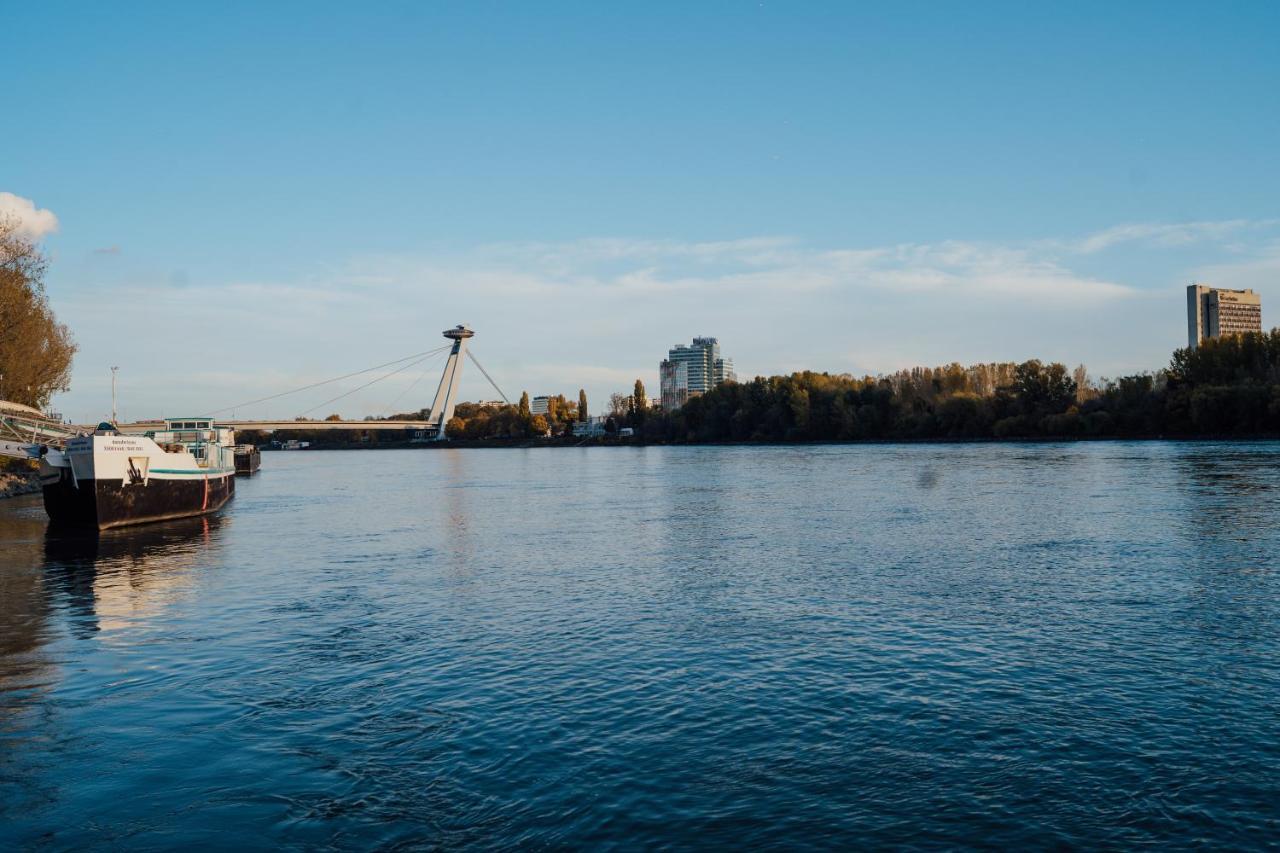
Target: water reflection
point(107, 580)
point(56, 582)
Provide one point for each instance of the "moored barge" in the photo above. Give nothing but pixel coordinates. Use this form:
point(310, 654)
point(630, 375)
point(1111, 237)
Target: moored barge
point(109, 479)
point(248, 459)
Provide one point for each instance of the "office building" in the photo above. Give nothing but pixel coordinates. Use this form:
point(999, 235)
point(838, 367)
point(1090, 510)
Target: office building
point(540, 405)
point(1213, 312)
point(673, 384)
point(692, 370)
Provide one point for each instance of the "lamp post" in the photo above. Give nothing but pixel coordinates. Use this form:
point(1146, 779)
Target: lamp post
point(113, 395)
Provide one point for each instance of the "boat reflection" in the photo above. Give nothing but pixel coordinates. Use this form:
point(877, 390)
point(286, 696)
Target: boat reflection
point(116, 578)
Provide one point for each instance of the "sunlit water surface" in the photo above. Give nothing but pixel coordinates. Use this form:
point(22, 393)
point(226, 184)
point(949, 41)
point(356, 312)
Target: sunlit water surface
point(995, 645)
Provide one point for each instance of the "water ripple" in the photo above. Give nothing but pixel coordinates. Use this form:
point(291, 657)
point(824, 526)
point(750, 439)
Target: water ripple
point(906, 646)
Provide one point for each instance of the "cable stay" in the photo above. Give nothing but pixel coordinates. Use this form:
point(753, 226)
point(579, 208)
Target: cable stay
point(487, 376)
point(373, 381)
point(390, 409)
point(330, 381)
point(17, 432)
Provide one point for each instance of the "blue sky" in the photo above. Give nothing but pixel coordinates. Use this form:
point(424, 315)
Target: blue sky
point(250, 197)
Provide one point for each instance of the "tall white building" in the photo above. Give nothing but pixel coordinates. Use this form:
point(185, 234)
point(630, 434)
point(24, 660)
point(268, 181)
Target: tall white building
point(1214, 311)
point(692, 370)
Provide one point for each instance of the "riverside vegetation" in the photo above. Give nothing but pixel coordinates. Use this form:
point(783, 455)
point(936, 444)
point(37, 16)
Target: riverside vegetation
point(1229, 386)
point(35, 349)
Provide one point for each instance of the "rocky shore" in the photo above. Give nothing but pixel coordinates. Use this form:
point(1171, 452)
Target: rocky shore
point(13, 483)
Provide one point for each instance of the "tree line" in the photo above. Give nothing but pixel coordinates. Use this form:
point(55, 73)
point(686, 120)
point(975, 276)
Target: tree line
point(493, 420)
point(1228, 386)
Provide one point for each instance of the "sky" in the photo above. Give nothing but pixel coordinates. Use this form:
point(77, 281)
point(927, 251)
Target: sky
point(238, 199)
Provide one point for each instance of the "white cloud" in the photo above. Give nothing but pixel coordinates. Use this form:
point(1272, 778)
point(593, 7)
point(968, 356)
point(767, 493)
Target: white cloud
point(33, 222)
point(747, 268)
point(1167, 235)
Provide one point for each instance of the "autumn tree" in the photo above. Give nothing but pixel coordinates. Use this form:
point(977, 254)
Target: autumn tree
point(560, 413)
point(525, 414)
point(35, 349)
point(582, 404)
point(639, 399)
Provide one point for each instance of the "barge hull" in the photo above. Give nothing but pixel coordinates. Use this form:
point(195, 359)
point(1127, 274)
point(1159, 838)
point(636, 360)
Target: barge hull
point(106, 503)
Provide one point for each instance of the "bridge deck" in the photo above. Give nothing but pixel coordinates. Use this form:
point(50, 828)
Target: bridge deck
point(279, 426)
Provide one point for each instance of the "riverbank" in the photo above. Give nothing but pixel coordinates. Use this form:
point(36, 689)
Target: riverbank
point(14, 483)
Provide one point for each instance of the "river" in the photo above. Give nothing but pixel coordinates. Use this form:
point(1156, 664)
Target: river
point(988, 645)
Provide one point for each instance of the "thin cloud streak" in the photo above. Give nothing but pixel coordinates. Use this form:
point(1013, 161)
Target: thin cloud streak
point(1168, 235)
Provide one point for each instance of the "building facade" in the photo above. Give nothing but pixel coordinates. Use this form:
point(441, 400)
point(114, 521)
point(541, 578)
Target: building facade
point(540, 405)
point(692, 370)
point(1214, 311)
point(673, 384)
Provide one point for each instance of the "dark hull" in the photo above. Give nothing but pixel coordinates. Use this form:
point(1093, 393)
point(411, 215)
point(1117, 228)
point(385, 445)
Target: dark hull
point(104, 504)
point(247, 462)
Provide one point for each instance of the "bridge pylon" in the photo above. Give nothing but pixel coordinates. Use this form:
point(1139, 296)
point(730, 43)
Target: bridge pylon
point(447, 392)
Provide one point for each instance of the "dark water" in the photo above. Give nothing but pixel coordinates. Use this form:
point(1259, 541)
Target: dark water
point(990, 645)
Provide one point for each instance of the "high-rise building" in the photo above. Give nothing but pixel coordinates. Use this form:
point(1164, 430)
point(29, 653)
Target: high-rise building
point(724, 371)
point(692, 370)
point(673, 383)
point(540, 405)
point(1214, 311)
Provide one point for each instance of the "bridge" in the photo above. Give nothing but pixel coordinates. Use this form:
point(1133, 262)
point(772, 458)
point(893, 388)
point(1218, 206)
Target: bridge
point(22, 427)
point(277, 426)
point(434, 426)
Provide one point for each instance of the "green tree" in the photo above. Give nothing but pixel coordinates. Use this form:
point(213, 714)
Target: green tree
point(1043, 389)
point(582, 404)
point(639, 404)
point(35, 349)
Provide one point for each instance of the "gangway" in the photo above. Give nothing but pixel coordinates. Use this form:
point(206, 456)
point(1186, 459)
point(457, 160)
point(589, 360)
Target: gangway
point(24, 431)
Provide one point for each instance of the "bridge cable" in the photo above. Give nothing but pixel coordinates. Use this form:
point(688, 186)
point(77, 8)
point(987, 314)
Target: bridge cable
point(390, 409)
point(370, 382)
point(490, 378)
point(328, 381)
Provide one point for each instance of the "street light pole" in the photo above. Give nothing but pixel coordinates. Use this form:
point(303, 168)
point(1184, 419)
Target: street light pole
point(113, 395)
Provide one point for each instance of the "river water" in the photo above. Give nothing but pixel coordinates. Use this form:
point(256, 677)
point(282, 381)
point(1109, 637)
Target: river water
point(927, 645)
